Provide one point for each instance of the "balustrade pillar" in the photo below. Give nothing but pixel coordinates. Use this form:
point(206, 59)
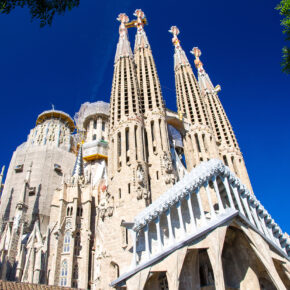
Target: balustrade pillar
point(178, 206)
point(237, 197)
point(134, 258)
point(189, 204)
point(212, 212)
point(147, 248)
point(160, 245)
point(257, 221)
point(203, 219)
point(216, 188)
point(264, 227)
point(226, 184)
point(170, 230)
point(249, 213)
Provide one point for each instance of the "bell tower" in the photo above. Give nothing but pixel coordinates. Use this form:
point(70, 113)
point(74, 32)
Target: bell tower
point(156, 135)
point(199, 141)
point(127, 162)
point(228, 146)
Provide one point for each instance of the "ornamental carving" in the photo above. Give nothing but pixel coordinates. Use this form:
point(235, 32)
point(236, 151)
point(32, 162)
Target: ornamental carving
point(142, 193)
point(167, 163)
point(106, 204)
point(140, 174)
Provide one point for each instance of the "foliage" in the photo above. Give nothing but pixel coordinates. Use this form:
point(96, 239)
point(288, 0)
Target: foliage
point(42, 10)
point(284, 8)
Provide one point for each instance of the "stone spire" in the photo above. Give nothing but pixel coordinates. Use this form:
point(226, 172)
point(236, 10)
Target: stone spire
point(199, 142)
point(180, 57)
point(156, 134)
point(141, 40)
point(123, 46)
point(79, 164)
point(203, 78)
point(127, 148)
point(228, 147)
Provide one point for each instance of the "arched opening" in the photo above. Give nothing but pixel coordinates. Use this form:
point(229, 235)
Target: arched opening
point(196, 272)
point(282, 272)
point(114, 271)
point(241, 266)
point(157, 281)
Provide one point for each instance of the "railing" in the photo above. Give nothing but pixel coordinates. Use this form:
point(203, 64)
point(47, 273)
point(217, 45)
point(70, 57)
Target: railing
point(204, 199)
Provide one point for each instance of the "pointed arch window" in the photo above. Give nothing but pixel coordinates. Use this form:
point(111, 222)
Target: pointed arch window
point(66, 242)
point(63, 273)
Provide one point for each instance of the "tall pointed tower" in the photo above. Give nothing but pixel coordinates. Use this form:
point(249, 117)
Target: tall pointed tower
point(199, 141)
point(229, 150)
point(72, 227)
point(156, 135)
point(127, 159)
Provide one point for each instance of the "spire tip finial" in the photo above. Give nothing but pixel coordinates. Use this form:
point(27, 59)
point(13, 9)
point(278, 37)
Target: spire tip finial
point(197, 53)
point(123, 18)
point(175, 31)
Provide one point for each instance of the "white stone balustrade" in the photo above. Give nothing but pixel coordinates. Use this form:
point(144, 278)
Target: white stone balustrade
point(207, 196)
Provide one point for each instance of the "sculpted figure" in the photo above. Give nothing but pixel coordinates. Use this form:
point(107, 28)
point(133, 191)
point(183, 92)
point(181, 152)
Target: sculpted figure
point(167, 163)
point(140, 174)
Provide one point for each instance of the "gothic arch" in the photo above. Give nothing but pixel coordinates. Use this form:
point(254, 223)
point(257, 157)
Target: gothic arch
point(241, 266)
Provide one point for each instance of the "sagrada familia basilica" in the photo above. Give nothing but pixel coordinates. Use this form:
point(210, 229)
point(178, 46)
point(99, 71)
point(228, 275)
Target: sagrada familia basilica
point(131, 195)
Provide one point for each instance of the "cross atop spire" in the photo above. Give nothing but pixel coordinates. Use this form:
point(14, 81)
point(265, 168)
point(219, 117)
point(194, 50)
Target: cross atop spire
point(123, 47)
point(141, 40)
point(175, 31)
point(203, 78)
point(197, 53)
point(140, 16)
point(123, 18)
point(180, 57)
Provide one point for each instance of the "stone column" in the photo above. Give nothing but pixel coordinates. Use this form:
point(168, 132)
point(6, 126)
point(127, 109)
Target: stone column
point(160, 246)
point(147, 248)
point(170, 230)
point(203, 219)
point(212, 212)
point(178, 206)
point(192, 219)
point(226, 184)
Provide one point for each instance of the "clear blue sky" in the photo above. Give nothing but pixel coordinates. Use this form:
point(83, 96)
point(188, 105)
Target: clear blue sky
point(71, 62)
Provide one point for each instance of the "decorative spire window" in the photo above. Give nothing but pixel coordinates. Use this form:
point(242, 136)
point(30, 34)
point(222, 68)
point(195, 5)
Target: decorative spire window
point(66, 242)
point(63, 273)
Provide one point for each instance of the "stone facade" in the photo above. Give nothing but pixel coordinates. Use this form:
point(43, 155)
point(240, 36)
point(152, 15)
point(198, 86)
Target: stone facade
point(114, 204)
